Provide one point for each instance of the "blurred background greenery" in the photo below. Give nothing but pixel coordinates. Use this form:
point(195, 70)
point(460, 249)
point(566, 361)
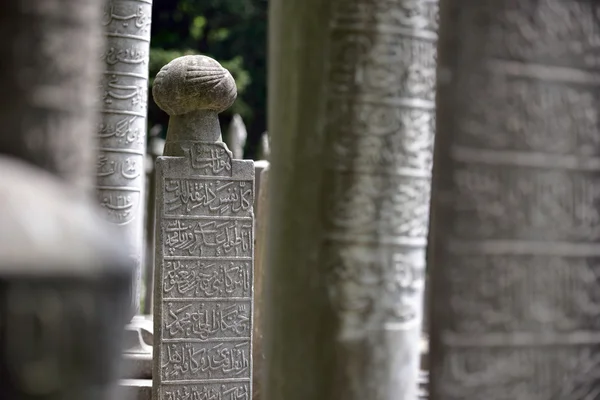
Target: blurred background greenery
point(234, 32)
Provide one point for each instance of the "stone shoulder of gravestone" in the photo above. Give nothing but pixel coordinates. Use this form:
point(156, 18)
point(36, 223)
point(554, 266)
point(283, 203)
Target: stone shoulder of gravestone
point(203, 283)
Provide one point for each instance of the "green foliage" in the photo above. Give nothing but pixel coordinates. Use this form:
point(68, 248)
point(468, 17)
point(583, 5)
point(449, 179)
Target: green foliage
point(231, 31)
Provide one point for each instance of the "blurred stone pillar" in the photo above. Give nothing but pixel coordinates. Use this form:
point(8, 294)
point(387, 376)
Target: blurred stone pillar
point(49, 85)
point(352, 111)
point(515, 233)
point(64, 279)
point(122, 131)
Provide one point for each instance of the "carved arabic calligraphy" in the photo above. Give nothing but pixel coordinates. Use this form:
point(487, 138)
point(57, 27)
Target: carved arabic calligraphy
point(139, 18)
point(119, 205)
point(122, 130)
point(129, 168)
point(209, 158)
point(207, 238)
point(202, 360)
point(227, 391)
point(207, 279)
point(209, 320)
point(132, 55)
point(206, 197)
point(116, 91)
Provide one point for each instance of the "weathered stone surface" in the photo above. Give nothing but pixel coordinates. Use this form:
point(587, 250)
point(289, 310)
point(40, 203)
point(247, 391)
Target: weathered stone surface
point(204, 235)
point(122, 129)
point(157, 146)
point(260, 252)
point(515, 210)
point(49, 85)
point(64, 286)
point(351, 114)
point(259, 167)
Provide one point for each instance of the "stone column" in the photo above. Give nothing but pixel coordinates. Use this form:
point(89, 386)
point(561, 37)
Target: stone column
point(203, 288)
point(64, 279)
point(352, 114)
point(515, 214)
point(122, 131)
point(49, 85)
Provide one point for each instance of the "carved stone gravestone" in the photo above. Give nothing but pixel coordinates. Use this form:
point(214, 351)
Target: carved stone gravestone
point(204, 241)
point(122, 130)
point(515, 231)
point(352, 112)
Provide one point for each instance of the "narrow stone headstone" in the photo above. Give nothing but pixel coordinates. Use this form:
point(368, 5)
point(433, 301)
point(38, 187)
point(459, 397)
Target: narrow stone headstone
point(204, 241)
point(156, 147)
point(515, 231)
point(265, 147)
point(260, 252)
point(236, 136)
point(259, 167)
point(122, 129)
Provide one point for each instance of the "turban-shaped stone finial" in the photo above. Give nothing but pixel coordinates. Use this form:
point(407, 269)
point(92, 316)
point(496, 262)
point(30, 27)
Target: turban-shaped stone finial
point(192, 83)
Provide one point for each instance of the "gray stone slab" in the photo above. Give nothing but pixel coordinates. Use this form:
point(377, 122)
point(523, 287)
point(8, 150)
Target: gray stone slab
point(204, 235)
point(515, 229)
point(262, 219)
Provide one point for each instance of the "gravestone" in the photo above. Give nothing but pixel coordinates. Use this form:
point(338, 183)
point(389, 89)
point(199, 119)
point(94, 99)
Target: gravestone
point(260, 250)
point(264, 151)
point(204, 241)
point(156, 147)
point(122, 129)
point(236, 136)
point(515, 231)
point(259, 167)
point(352, 116)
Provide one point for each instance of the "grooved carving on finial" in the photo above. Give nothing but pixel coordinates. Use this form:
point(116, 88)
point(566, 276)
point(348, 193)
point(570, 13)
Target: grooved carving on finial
point(191, 83)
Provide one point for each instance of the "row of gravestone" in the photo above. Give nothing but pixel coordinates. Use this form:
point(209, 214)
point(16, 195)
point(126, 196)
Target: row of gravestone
point(65, 272)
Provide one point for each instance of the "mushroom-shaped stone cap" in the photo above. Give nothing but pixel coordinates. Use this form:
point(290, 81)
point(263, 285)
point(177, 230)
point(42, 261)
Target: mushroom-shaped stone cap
point(192, 83)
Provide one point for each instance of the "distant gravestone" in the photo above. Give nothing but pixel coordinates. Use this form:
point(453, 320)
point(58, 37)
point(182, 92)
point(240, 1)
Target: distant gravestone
point(236, 136)
point(265, 146)
point(204, 242)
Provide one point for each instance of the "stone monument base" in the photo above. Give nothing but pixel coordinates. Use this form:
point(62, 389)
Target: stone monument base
point(135, 389)
point(137, 354)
